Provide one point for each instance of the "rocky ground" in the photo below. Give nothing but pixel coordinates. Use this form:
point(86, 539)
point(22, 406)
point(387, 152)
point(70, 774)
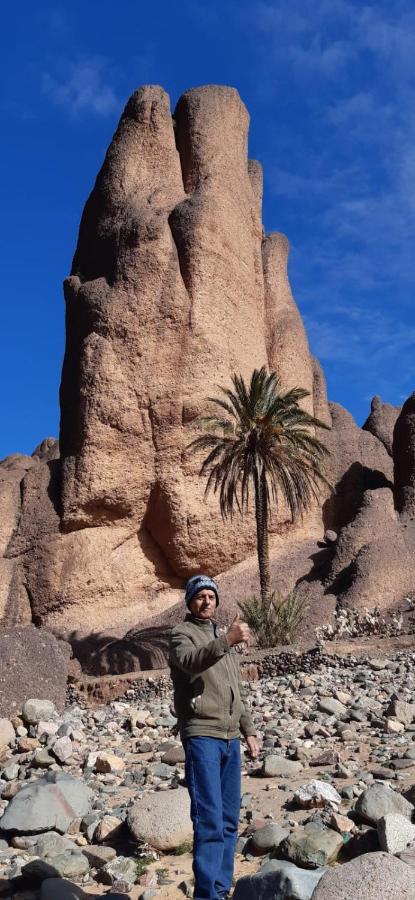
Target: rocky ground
point(93, 800)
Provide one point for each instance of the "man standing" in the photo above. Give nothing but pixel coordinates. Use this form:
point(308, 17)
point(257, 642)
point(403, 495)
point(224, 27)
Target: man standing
point(211, 713)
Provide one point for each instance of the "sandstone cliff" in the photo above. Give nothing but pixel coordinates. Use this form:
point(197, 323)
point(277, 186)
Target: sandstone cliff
point(174, 287)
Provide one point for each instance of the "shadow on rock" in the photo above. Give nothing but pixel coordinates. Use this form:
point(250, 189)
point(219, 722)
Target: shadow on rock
point(101, 654)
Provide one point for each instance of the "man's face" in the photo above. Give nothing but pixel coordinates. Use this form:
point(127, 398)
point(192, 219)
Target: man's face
point(203, 604)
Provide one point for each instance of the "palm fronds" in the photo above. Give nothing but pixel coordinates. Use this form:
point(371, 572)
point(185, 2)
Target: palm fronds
point(259, 435)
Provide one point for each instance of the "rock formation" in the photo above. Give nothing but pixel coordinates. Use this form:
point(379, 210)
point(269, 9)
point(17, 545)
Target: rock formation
point(174, 287)
point(374, 560)
point(381, 422)
point(404, 460)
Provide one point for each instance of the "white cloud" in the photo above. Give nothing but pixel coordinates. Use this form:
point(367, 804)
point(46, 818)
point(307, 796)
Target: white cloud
point(83, 89)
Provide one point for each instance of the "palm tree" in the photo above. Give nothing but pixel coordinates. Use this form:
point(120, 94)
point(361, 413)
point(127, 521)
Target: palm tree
point(261, 435)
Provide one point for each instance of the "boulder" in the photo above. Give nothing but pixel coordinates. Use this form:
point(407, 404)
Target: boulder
point(378, 801)
point(395, 832)
point(162, 819)
point(278, 878)
point(51, 802)
point(375, 876)
point(312, 848)
point(69, 864)
point(60, 889)
point(35, 710)
point(401, 710)
point(32, 659)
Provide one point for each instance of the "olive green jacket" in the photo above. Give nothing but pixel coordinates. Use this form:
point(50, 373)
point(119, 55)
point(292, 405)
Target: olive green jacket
point(209, 697)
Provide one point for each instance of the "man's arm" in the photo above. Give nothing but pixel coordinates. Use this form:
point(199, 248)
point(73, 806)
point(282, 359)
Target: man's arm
point(193, 660)
point(245, 722)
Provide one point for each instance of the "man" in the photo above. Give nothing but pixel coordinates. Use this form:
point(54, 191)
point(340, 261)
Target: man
point(211, 712)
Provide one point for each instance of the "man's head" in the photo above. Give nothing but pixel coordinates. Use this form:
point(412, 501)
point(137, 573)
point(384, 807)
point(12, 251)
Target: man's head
point(202, 596)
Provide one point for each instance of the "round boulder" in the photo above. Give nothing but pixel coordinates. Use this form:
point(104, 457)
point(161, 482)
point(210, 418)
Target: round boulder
point(378, 801)
point(374, 876)
point(162, 819)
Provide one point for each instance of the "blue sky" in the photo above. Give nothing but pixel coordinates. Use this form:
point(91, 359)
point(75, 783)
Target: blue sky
point(330, 87)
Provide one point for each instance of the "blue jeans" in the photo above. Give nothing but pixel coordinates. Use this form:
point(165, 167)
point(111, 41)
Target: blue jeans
point(213, 777)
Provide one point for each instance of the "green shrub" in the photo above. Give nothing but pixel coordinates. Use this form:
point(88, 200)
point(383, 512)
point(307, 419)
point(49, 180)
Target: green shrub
point(276, 622)
point(185, 847)
point(142, 862)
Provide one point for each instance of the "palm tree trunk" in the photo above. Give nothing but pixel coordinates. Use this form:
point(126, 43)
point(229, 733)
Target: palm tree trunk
point(261, 516)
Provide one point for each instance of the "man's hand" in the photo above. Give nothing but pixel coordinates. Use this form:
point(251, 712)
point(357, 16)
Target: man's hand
point(238, 632)
point(253, 746)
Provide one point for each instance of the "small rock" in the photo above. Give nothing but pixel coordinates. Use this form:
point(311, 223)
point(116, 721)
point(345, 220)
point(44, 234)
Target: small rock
point(99, 856)
point(342, 824)
point(108, 762)
point(62, 749)
point(120, 873)
point(327, 758)
point(331, 706)
point(402, 711)
point(10, 773)
point(316, 793)
point(266, 838)
point(174, 756)
point(42, 759)
point(107, 828)
point(27, 744)
point(280, 767)
point(34, 711)
point(392, 726)
point(7, 733)
point(46, 729)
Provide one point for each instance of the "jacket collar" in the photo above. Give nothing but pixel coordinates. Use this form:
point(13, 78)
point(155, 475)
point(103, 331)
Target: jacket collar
point(202, 622)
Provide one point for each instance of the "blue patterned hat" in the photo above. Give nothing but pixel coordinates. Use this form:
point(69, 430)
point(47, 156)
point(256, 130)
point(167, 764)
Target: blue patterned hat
point(197, 583)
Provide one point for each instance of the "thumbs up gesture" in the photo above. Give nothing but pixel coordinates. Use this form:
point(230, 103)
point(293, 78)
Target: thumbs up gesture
point(238, 631)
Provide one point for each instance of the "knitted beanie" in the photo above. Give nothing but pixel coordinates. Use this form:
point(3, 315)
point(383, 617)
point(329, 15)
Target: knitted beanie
point(197, 583)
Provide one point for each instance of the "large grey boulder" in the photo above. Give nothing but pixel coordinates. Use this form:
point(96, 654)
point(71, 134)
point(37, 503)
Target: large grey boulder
point(162, 819)
point(377, 801)
point(278, 879)
point(51, 802)
point(374, 876)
